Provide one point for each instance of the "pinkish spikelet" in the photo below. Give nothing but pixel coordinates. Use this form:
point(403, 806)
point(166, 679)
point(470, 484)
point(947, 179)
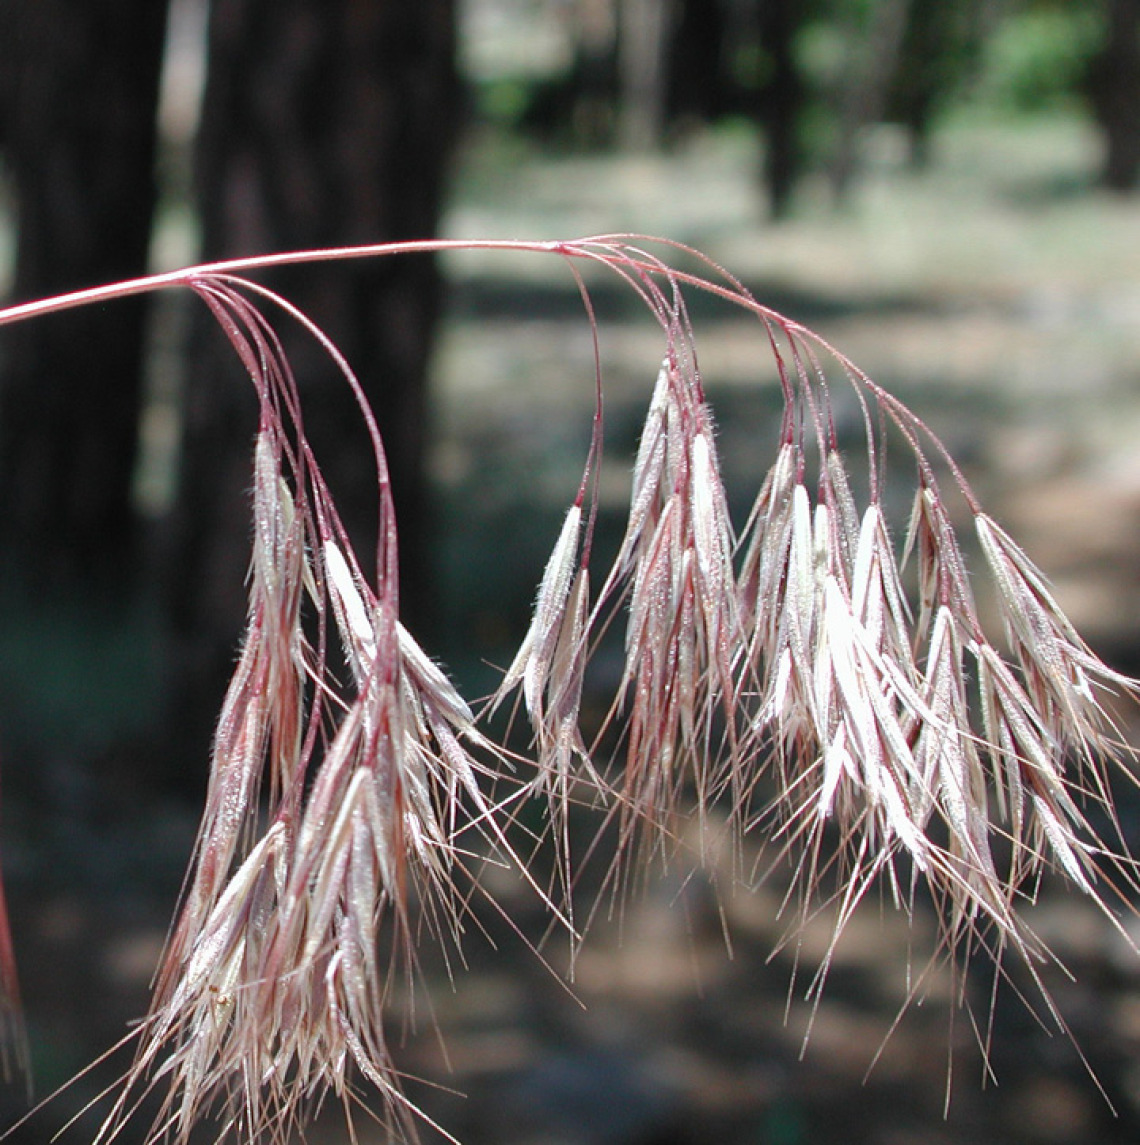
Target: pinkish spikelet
point(550, 664)
point(1059, 668)
point(682, 627)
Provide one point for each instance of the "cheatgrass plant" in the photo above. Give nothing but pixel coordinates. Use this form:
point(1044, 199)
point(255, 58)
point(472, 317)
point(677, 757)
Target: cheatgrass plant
point(828, 688)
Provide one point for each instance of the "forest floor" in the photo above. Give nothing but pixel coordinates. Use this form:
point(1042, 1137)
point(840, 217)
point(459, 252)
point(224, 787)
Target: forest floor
point(998, 294)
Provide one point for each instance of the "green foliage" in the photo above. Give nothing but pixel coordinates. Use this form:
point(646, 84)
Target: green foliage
point(1036, 59)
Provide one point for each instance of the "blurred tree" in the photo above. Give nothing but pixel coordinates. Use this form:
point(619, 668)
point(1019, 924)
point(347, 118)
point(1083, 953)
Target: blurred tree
point(617, 87)
point(1114, 89)
point(577, 106)
point(722, 58)
point(938, 56)
point(781, 97)
point(696, 62)
point(325, 122)
point(1036, 53)
point(645, 30)
point(875, 37)
point(644, 72)
point(1042, 55)
point(78, 95)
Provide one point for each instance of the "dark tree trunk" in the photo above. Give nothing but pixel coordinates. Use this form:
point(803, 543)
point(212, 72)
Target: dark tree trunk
point(1115, 92)
point(80, 90)
point(781, 101)
point(700, 88)
point(325, 122)
point(922, 77)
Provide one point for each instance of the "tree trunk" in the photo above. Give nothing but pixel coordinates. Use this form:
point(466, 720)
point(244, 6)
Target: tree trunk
point(325, 122)
point(864, 96)
point(938, 57)
point(80, 91)
point(642, 55)
point(1115, 91)
point(700, 88)
point(781, 101)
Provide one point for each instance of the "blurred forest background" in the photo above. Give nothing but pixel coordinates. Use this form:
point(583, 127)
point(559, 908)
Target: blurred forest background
point(947, 191)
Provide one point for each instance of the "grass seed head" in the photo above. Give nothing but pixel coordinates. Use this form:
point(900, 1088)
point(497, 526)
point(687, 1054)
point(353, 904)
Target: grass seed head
point(881, 737)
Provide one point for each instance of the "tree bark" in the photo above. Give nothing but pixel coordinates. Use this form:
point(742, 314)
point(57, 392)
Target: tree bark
point(325, 122)
point(80, 91)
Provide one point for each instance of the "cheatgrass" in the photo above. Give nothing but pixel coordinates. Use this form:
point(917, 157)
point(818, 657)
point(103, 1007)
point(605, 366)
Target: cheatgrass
point(827, 688)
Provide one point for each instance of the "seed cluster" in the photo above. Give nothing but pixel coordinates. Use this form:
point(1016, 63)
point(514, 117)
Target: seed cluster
point(836, 692)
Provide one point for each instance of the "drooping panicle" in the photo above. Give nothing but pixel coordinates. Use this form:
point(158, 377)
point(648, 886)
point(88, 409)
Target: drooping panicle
point(832, 688)
point(334, 818)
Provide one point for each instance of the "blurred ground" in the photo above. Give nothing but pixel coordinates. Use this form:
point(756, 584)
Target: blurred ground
point(999, 295)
